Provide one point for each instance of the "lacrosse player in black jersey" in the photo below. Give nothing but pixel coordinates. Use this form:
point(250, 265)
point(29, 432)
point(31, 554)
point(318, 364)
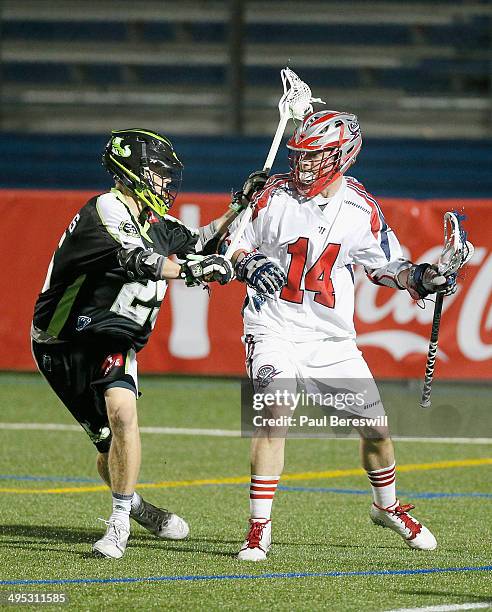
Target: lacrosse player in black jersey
point(99, 303)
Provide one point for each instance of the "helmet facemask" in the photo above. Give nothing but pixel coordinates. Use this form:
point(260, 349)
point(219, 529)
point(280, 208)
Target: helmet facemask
point(313, 171)
point(159, 185)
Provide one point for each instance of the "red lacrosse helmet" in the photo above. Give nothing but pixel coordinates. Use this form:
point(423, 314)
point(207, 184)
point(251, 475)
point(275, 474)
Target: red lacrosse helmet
point(322, 148)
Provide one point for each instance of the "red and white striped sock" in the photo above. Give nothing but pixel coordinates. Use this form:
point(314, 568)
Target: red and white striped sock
point(383, 484)
point(261, 492)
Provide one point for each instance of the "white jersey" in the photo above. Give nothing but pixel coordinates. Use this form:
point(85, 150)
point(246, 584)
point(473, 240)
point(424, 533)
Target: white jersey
point(316, 248)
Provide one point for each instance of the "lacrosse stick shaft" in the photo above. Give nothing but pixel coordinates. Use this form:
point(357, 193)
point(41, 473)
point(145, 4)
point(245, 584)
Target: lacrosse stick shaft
point(277, 139)
point(425, 402)
point(267, 166)
point(245, 219)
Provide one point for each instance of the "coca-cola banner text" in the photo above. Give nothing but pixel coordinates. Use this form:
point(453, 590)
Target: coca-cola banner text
point(201, 334)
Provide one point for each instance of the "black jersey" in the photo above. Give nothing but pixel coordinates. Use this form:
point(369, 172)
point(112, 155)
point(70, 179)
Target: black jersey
point(87, 295)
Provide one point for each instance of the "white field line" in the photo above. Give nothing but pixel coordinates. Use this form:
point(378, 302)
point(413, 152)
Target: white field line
point(446, 607)
point(223, 433)
point(150, 430)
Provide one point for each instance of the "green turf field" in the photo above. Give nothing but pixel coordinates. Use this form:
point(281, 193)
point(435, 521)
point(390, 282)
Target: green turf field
point(320, 520)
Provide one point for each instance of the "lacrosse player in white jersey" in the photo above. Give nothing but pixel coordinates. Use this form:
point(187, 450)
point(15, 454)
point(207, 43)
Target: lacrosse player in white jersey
point(308, 229)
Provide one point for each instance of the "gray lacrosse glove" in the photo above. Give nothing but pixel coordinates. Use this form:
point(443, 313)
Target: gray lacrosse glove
point(259, 273)
point(424, 279)
point(199, 269)
point(255, 182)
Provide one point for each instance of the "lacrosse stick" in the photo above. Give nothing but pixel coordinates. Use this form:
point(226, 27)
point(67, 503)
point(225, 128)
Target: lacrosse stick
point(456, 253)
point(295, 104)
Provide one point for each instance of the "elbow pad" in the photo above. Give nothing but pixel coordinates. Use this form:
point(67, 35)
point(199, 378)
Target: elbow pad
point(141, 264)
point(388, 274)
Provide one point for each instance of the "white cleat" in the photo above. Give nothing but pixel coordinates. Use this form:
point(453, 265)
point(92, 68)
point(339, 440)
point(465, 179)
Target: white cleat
point(175, 529)
point(160, 522)
point(258, 541)
point(397, 518)
point(113, 542)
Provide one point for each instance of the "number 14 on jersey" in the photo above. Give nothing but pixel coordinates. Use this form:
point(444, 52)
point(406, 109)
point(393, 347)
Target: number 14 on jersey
point(317, 279)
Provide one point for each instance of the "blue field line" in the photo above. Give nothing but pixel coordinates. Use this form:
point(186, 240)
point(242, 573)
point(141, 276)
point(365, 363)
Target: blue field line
point(416, 495)
point(396, 572)
point(286, 488)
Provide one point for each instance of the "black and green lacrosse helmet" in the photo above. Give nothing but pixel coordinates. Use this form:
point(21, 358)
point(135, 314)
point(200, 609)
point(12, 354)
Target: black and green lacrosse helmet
point(145, 162)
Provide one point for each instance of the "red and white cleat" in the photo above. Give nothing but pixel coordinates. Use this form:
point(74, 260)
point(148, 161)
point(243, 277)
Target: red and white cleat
point(257, 541)
point(397, 518)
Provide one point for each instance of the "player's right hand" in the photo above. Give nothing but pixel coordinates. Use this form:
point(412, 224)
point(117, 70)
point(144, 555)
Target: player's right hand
point(200, 269)
point(260, 273)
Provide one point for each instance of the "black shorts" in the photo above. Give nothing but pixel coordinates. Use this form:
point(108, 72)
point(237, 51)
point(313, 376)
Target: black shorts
point(80, 375)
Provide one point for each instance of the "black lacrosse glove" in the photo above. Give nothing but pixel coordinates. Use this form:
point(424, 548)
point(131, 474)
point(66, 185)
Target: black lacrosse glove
point(199, 269)
point(424, 279)
point(254, 183)
point(259, 273)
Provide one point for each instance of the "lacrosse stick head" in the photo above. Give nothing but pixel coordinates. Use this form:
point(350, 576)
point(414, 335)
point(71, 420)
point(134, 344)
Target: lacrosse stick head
point(322, 148)
point(297, 98)
point(457, 249)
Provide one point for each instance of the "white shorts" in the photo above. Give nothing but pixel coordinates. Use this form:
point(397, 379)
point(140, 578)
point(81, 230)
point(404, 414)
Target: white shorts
point(318, 367)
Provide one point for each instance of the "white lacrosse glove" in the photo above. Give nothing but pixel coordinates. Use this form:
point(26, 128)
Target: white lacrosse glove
point(199, 269)
point(424, 279)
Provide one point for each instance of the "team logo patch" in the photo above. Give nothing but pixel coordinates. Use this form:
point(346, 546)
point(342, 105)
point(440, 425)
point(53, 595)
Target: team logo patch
point(151, 218)
point(127, 227)
point(82, 322)
point(354, 127)
point(118, 150)
point(265, 375)
point(111, 361)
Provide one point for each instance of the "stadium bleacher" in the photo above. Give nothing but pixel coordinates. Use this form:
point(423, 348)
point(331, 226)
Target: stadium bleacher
point(414, 71)
point(87, 60)
point(407, 167)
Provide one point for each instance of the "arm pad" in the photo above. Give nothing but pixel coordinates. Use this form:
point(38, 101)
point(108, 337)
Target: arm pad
point(141, 264)
point(388, 274)
point(207, 232)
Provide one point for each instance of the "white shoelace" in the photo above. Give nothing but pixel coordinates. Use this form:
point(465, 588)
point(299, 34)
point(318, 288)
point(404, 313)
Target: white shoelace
point(114, 529)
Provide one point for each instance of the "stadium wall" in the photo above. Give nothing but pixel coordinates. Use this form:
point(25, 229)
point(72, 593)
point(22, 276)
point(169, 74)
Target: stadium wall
point(198, 334)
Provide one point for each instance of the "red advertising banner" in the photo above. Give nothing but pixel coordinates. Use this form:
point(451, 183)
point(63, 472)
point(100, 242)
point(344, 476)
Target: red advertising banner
point(200, 334)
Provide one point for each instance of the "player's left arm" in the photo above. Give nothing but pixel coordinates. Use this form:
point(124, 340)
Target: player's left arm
point(380, 253)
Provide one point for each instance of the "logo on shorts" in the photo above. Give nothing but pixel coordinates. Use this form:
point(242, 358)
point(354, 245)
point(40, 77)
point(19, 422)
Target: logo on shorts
point(127, 227)
point(265, 375)
point(112, 361)
point(46, 361)
point(82, 322)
